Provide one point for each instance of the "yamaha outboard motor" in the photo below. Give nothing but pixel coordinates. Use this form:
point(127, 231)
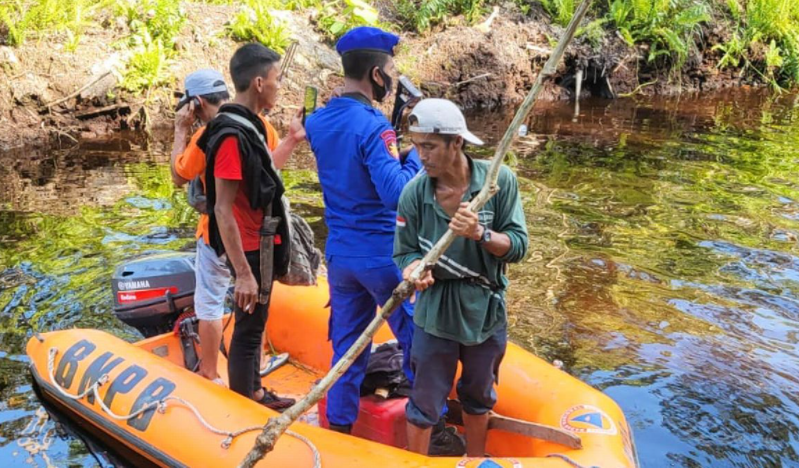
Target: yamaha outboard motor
point(151, 292)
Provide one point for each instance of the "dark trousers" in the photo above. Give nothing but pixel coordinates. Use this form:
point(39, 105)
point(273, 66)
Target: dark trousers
point(357, 287)
point(244, 357)
point(434, 362)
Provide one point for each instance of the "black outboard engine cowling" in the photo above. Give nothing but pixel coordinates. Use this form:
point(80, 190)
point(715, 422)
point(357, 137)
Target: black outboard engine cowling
point(151, 292)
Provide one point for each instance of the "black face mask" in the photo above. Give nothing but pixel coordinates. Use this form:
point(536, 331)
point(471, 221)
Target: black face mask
point(380, 92)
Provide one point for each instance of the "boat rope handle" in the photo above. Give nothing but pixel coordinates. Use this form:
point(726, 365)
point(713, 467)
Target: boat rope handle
point(569, 460)
point(161, 406)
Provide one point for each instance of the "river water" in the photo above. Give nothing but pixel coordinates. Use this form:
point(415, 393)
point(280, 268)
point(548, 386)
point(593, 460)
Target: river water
point(664, 265)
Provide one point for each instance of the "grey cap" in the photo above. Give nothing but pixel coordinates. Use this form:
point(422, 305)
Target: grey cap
point(443, 117)
point(202, 82)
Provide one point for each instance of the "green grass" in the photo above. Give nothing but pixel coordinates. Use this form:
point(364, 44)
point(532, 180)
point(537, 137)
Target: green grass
point(155, 26)
point(594, 32)
point(339, 16)
point(421, 15)
point(301, 4)
point(161, 19)
point(148, 66)
point(21, 19)
point(766, 40)
point(561, 11)
point(669, 27)
point(256, 22)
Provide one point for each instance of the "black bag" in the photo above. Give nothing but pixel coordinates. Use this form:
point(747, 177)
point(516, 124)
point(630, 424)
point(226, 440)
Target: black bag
point(384, 371)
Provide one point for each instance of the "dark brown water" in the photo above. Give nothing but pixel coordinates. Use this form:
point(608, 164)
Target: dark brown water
point(664, 267)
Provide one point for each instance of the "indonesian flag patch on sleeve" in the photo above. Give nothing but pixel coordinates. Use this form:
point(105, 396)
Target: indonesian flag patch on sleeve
point(390, 140)
point(400, 221)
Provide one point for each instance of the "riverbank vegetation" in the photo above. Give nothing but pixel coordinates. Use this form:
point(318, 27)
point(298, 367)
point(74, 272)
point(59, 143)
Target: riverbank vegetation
point(759, 39)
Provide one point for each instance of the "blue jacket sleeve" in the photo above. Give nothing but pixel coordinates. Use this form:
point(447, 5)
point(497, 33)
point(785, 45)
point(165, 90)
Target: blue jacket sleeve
point(381, 157)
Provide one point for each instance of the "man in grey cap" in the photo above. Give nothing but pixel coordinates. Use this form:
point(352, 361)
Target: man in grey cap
point(460, 315)
point(205, 92)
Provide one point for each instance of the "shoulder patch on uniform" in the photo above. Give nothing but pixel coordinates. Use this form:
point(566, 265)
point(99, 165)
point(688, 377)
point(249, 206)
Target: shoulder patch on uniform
point(401, 221)
point(390, 140)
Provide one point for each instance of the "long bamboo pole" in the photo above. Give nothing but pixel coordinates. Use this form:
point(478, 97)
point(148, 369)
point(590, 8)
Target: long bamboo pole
point(275, 427)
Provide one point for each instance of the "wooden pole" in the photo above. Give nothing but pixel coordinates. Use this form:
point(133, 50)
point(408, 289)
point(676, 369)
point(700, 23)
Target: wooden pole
point(275, 427)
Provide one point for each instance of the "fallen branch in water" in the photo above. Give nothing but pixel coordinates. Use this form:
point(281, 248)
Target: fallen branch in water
point(638, 89)
point(275, 427)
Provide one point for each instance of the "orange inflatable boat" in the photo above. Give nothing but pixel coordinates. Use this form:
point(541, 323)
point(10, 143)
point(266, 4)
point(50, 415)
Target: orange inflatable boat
point(141, 399)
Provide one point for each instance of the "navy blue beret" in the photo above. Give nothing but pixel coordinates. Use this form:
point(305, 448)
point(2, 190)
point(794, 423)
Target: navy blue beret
point(367, 38)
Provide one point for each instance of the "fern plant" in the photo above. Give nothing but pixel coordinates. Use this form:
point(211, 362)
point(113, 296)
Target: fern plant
point(155, 26)
point(766, 41)
point(561, 11)
point(14, 22)
point(256, 22)
point(148, 66)
point(733, 51)
point(71, 17)
point(421, 15)
point(339, 16)
point(669, 27)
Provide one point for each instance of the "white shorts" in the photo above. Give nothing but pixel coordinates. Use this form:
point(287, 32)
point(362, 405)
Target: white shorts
point(212, 279)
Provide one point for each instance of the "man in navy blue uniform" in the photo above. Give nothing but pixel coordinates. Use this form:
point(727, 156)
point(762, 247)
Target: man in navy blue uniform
point(362, 175)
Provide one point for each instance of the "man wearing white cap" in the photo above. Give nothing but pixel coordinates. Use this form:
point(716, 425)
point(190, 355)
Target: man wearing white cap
point(460, 315)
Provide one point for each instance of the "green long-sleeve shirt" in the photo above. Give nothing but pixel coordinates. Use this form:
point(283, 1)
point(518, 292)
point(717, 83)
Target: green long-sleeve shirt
point(467, 302)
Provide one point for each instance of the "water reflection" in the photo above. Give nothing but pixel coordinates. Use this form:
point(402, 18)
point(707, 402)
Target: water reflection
point(675, 272)
point(664, 265)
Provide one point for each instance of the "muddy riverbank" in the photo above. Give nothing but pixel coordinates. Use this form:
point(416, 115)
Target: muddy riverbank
point(52, 93)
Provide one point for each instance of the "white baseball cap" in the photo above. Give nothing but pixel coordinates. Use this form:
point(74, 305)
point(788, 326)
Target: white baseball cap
point(440, 116)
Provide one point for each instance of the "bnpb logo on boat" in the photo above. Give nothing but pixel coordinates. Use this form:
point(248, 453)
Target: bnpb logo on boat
point(587, 419)
point(130, 381)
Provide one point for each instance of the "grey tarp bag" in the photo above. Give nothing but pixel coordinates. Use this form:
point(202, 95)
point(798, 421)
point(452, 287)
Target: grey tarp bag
point(196, 196)
point(305, 259)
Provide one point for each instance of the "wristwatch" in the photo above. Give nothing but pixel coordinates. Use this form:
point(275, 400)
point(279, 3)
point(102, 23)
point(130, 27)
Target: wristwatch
point(486, 237)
